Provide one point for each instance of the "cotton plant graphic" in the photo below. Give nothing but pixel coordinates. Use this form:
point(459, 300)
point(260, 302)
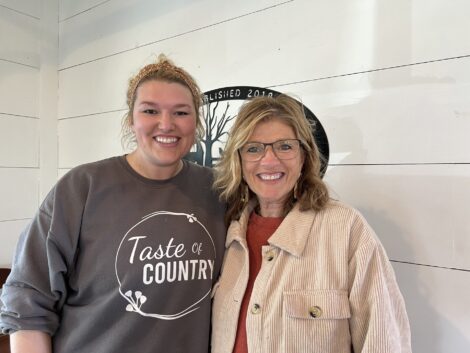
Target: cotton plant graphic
point(137, 299)
point(136, 303)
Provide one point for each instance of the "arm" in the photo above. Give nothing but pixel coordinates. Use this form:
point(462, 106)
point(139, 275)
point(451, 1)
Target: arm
point(36, 288)
point(29, 300)
point(378, 322)
point(28, 341)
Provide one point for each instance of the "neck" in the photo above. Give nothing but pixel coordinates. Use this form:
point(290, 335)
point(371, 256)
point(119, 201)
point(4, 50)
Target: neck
point(273, 209)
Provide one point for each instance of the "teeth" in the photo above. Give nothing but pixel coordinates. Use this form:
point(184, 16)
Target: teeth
point(162, 139)
point(270, 176)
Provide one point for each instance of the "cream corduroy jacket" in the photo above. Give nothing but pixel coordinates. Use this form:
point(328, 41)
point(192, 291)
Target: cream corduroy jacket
point(325, 286)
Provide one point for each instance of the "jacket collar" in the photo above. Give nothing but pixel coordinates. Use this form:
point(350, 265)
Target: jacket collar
point(291, 236)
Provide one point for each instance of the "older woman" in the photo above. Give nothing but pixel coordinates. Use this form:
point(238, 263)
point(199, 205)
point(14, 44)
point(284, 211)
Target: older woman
point(302, 273)
point(123, 252)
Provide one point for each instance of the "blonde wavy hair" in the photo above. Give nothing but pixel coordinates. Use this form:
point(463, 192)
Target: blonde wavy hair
point(166, 71)
point(311, 192)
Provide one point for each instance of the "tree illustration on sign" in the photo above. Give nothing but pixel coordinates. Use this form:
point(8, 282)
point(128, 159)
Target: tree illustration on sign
point(215, 129)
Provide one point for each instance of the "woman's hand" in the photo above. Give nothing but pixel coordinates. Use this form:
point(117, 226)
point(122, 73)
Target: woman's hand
point(29, 341)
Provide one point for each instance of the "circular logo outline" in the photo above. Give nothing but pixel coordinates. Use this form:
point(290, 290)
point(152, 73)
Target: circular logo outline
point(136, 303)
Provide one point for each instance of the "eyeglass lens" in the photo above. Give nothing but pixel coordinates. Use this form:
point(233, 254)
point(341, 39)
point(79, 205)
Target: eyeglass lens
point(283, 149)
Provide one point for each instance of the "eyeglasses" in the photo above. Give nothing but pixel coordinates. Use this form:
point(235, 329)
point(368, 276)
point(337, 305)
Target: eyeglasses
point(283, 149)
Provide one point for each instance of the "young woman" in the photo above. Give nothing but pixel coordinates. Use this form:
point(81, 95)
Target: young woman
point(123, 253)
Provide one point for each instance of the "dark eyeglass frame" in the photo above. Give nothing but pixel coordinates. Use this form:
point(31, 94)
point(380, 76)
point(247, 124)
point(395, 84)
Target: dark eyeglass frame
point(278, 153)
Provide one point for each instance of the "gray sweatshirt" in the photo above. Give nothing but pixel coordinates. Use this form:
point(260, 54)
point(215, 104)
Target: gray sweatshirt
point(115, 262)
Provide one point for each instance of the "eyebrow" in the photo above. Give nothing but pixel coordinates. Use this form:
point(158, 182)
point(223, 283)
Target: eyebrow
point(179, 105)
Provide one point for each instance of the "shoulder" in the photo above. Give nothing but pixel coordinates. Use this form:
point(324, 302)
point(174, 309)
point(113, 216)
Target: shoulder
point(76, 183)
point(361, 234)
point(335, 216)
point(199, 171)
point(341, 215)
point(80, 178)
point(196, 174)
point(198, 180)
point(338, 210)
point(96, 167)
point(86, 172)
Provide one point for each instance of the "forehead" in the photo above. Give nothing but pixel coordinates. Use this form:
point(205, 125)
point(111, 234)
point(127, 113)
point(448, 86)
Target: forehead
point(271, 130)
point(158, 91)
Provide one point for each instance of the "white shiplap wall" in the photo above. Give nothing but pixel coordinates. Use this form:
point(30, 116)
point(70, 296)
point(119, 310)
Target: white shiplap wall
point(28, 113)
point(19, 119)
point(389, 80)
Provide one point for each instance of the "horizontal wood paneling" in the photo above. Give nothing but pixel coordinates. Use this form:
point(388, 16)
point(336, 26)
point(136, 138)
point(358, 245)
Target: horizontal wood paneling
point(321, 40)
point(19, 190)
point(19, 141)
point(417, 114)
point(9, 233)
point(122, 25)
point(29, 7)
point(420, 212)
point(88, 139)
point(437, 306)
point(69, 8)
point(111, 75)
point(20, 37)
point(369, 118)
point(18, 89)
point(19, 41)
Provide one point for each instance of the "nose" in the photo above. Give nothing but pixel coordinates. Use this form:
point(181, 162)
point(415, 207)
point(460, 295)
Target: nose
point(269, 156)
point(165, 122)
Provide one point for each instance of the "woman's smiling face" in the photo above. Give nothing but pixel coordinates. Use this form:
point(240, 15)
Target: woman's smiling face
point(164, 123)
point(271, 178)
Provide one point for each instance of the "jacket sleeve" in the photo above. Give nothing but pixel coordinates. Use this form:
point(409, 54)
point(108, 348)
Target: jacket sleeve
point(378, 322)
point(36, 289)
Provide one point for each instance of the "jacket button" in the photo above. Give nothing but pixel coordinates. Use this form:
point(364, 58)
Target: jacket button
point(315, 311)
point(255, 309)
point(270, 256)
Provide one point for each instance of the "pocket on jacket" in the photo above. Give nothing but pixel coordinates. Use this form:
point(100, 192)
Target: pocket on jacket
point(317, 305)
point(316, 321)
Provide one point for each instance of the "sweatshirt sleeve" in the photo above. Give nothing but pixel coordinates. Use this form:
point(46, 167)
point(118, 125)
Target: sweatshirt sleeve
point(378, 322)
point(36, 288)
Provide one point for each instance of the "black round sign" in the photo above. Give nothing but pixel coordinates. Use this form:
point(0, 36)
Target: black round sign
point(220, 109)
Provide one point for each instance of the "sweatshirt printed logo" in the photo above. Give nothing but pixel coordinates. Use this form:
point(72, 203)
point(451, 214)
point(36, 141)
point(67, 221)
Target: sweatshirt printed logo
point(173, 251)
